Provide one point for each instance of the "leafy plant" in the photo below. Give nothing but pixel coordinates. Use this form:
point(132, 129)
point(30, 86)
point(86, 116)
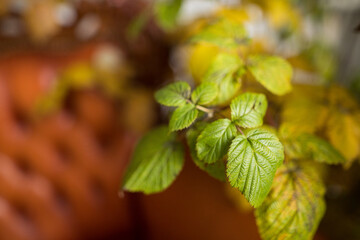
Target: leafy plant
point(274, 167)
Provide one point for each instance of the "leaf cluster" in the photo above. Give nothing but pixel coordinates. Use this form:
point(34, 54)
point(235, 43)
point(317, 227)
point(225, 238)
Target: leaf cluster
point(275, 169)
point(328, 110)
point(254, 153)
point(231, 63)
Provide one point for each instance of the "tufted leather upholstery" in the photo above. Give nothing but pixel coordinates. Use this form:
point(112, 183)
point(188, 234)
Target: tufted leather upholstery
point(59, 175)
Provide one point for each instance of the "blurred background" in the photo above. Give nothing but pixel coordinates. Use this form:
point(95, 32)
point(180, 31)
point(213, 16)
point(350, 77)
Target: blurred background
point(76, 92)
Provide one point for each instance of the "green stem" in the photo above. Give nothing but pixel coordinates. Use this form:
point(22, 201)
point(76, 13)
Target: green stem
point(209, 111)
point(204, 109)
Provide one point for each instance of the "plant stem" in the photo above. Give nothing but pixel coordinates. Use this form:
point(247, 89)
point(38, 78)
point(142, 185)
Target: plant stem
point(210, 112)
point(204, 109)
point(239, 129)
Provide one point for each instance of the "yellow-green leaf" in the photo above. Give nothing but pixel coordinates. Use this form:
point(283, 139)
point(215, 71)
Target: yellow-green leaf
point(214, 140)
point(173, 95)
point(217, 169)
point(248, 110)
point(223, 33)
point(183, 117)
point(295, 204)
point(308, 146)
point(273, 72)
point(205, 93)
point(252, 162)
point(201, 57)
point(158, 159)
point(223, 72)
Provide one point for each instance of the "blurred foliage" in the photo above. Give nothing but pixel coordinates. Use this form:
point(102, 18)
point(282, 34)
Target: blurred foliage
point(259, 46)
point(328, 110)
point(166, 13)
point(84, 75)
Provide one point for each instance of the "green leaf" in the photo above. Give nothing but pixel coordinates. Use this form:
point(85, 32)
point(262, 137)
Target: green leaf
point(166, 13)
point(214, 140)
point(173, 95)
point(295, 204)
point(308, 146)
point(224, 72)
point(273, 72)
point(217, 169)
point(223, 33)
point(183, 117)
point(248, 110)
point(205, 93)
point(158, 159)
point(252, 162)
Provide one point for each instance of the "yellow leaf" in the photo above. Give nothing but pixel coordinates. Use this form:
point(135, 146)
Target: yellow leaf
point(238, 15)
point(340, 97)
point(304, 110)
point(273, 72)
point(356, 118)
point(201, 57)
point(342, 132)
point(314, 92)
point(255, 46)
point(302, 63)
point(79, 75)
point(304, 115)
point(282, 15)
